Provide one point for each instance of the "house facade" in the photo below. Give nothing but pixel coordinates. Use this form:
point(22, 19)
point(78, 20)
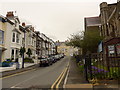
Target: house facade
point(2, 37)
point(13, 36)
point(30, 40)
point(62, 48)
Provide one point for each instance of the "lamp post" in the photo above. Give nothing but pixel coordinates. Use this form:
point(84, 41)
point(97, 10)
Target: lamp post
point(24, 47)
point(23, 50)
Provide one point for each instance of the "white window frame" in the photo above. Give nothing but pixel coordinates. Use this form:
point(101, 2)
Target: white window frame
point(17, 38)
point(2, 37)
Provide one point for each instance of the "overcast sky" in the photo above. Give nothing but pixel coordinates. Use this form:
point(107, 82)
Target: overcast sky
point(55, 18)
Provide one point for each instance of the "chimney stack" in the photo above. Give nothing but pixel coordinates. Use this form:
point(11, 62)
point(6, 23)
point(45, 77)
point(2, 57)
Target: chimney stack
point(10, 14)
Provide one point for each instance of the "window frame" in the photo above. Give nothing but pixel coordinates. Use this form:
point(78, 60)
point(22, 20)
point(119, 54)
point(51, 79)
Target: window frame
point(2, 37)
point(17, 38)
point(14, 37)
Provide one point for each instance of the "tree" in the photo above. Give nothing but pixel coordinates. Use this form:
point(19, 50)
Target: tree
point(91, 41)
point(88, 41)
point(22, 51)
point(29, 52)
point(75, 40)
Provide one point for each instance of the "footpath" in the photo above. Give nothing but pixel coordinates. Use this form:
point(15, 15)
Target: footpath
point(6, 71)
point(76, 80)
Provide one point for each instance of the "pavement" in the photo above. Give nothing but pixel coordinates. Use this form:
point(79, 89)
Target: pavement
point(76, 79)
point(6, 71)
point(13, 67)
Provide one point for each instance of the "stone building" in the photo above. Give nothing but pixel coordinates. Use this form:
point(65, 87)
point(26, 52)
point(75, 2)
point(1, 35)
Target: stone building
point(110, 28)
point(62, 48)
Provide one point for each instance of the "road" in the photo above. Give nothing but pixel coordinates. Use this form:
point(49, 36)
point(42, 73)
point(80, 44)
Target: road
point(42, 77)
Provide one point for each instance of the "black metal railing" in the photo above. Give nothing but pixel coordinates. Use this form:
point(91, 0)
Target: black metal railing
point(99, 66)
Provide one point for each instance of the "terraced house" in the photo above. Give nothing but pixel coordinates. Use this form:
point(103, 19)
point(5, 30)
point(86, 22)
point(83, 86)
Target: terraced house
point(2, 37)
point(30, 39)
point(13, 36)
point(39, 42)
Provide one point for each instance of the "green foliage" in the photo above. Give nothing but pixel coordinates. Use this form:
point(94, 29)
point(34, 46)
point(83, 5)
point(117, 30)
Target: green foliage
point(88, 41)
point(91, 41)
point(22, 51)
point(28, 60)
point(75, 40)
point(81, 66)
point(29, 52)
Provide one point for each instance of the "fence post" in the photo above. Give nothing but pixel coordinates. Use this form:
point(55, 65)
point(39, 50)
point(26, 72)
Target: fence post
point(89, 64)
point(85, 68)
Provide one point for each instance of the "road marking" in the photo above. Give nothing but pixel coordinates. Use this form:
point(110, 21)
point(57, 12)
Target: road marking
point(58, 78)
point(17, 74)
point(57, 86)
point(15, 87)
point(65, 81)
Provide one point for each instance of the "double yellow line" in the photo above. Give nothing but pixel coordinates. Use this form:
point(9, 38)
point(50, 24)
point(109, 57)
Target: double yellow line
point(60, 78)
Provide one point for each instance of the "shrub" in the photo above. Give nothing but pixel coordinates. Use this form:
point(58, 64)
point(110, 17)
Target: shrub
point(28, 60)
point(6, 63)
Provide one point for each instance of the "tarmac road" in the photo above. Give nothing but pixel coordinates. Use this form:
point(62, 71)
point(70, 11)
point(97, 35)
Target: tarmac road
point(42, 77)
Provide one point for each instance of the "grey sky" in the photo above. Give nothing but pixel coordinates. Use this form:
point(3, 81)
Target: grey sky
point(55, 18)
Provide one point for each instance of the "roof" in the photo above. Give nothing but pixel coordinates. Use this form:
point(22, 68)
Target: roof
point(92, 21)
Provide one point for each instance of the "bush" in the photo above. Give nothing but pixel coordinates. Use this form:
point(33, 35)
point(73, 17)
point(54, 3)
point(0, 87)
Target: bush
point(81, 66)
point(28, 60)
point(6, 63)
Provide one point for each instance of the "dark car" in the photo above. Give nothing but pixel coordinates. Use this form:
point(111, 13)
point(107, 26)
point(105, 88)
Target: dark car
point(43, 62)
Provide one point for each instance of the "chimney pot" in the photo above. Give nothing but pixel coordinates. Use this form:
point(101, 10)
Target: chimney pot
point(23, 24)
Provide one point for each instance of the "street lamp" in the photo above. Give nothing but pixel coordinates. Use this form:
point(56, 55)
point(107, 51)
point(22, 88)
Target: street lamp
point(24, 46)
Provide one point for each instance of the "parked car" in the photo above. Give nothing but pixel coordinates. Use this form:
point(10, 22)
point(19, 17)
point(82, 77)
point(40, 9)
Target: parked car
point(45, 62)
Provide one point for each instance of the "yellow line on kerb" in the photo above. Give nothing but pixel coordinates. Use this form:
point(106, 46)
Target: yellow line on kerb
point(58, 79)
point(17, 74)
point(57, 86)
